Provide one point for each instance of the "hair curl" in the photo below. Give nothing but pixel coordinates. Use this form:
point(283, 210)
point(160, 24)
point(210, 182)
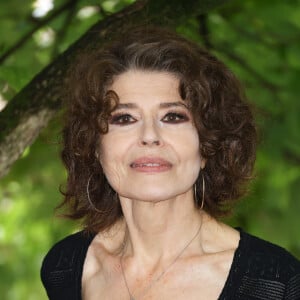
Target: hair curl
point(222, 117)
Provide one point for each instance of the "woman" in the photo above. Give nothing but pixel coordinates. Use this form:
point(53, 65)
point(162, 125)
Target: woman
point(158, 144)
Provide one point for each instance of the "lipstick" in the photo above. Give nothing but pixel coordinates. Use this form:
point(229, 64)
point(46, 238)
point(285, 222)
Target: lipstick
point(151, 165)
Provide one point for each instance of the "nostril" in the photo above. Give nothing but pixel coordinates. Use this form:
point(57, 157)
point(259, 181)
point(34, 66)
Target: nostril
point(156, 142)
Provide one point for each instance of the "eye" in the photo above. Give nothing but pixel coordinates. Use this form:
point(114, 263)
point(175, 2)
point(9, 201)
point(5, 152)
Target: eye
point(175, 117)
point(122, 119)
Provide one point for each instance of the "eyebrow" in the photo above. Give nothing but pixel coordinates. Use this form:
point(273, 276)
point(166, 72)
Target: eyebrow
point(126, 105)
point(161, 105)
point(172, 104)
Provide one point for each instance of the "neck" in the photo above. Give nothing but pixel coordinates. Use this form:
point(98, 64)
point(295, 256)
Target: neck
point(156, 231)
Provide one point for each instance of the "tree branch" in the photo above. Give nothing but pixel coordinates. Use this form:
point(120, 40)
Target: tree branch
point(243, 63)
point(62, 32)
point(291, 157)
point(31, 109)
point(204, 31)
point(38, 26)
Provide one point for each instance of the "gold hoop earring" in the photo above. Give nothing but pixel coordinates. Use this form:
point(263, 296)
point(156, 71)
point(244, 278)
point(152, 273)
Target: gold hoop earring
point(92, 205)
point(88, 196)
point(203, 192)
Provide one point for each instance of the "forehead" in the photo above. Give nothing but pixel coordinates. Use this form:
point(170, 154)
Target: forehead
point(136, 85)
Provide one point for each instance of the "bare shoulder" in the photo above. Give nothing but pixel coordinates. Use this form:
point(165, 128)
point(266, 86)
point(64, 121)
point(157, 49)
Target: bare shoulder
point(220, 243)
point(101, 256)
point(211, 269)
point(217, 237)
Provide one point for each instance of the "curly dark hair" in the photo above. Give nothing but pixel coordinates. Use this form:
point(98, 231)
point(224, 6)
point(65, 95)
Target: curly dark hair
point(223, 119)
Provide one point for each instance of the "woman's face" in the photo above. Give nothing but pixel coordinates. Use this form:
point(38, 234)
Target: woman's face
point(151, 150)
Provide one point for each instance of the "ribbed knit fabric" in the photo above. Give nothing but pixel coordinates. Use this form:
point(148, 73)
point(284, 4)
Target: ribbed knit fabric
point(260, 270)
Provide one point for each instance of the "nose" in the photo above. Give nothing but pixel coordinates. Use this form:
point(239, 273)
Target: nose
point(150, 134)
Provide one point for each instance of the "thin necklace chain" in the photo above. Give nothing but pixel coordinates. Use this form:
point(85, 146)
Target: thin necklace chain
point(163, 272)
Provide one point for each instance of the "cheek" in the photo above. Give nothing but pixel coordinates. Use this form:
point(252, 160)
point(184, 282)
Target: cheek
point(188, 150)
point(188, 143)
point(112, 152)
point(108, 154)
point(111, 167)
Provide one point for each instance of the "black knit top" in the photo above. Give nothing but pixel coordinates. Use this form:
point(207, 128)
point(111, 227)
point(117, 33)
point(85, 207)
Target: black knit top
point(260, 270)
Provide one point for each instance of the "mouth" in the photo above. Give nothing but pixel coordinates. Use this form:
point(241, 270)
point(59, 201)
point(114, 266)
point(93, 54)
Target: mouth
point(151, 165)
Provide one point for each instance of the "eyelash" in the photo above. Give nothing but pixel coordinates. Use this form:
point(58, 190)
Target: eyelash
point(180, 117)
point(120, 118)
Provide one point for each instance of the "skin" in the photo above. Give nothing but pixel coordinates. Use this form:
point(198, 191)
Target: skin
point(150, 156)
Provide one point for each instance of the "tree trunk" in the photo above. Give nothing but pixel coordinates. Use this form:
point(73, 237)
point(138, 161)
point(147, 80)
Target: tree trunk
point(32, 108)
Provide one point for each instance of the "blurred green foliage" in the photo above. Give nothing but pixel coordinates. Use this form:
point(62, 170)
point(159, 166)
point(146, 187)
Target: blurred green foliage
point(259, 40)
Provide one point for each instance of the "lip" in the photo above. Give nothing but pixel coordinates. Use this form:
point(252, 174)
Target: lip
point(151, 165)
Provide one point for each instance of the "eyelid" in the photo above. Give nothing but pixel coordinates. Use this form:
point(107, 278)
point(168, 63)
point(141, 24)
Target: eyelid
point(181, 111)
point(182, 116)
point(178, 110)
point(115, 118)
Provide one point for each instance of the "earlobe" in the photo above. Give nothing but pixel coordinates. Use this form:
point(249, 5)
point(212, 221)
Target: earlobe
point(98, 157)
point(202, 163)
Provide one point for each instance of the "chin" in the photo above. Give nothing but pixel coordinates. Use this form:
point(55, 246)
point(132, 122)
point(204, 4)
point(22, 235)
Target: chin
point(152, 195)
